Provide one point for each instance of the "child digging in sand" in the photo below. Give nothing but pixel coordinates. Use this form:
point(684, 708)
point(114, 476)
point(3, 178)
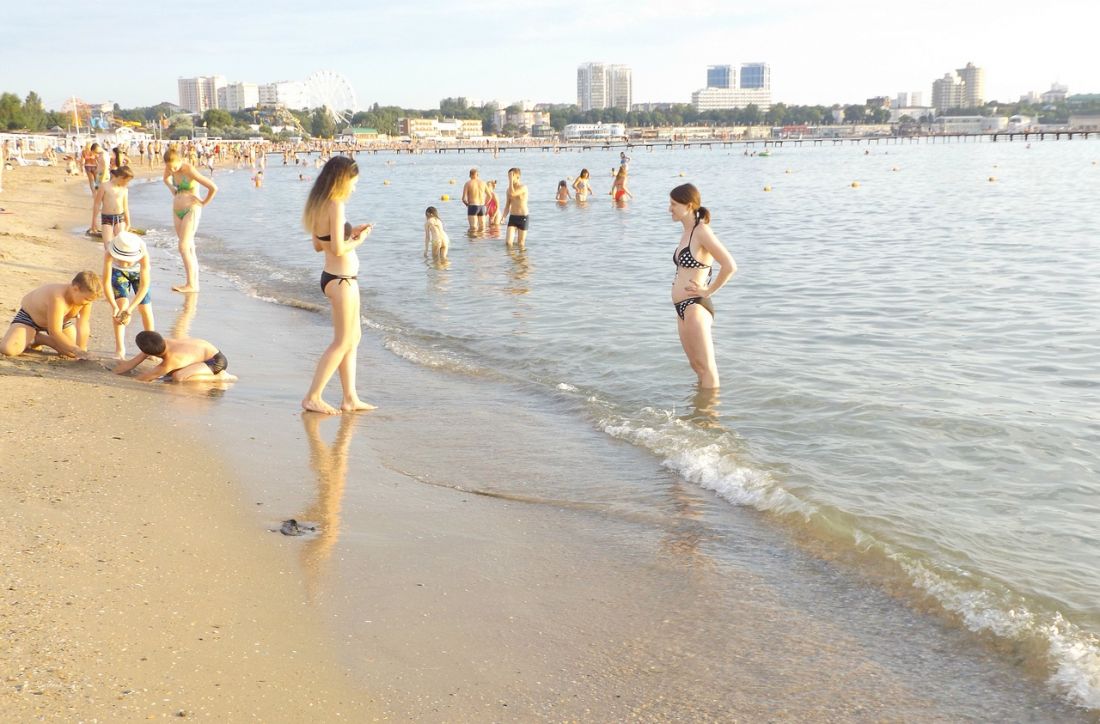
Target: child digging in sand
point(48, 314)
point(126, 268)
point(184, 360)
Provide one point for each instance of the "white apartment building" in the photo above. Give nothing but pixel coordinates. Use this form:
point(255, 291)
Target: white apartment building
point(947, 92)
point(973, 79)
point(720, 99)
point(434, 128)
point(200, 94)
point(238, 96)
point(604, 86)
point(964, 88)
point(286, 93)
point(751, 84)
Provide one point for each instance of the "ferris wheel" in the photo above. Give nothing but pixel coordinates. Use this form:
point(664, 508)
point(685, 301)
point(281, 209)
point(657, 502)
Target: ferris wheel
point(332, 91)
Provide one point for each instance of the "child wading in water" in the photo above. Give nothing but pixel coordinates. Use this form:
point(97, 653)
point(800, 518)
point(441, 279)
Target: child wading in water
point(111, 206)
point(563, 192)
point(434, 234)
point(126, 273)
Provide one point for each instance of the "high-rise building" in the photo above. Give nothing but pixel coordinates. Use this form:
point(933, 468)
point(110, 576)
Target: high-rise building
point(286, 93)
point(755, 76)
point(200, 94)
point(947, 92)
point(964, 88)
point(721, 76)
point(751, 85)
point(620, 84)
point(604, 86)
point(592, 86)
point(973, 79)
point(238, 96)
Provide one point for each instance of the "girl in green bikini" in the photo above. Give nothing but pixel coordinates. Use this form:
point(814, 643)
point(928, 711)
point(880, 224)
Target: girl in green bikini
point(182, 179)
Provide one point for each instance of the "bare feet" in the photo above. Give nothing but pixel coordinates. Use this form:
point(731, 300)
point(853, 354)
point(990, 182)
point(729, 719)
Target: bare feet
point(184, 289)
point(319, 406)
point(357, 405)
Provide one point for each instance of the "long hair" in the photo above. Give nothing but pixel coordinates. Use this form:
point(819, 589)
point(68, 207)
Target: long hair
point(332, 184)
point(688, 195)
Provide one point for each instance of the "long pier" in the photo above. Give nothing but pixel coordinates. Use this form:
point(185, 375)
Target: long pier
point(650, 144)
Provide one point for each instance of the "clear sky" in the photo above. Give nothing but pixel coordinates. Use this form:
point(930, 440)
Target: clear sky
point(414, 53)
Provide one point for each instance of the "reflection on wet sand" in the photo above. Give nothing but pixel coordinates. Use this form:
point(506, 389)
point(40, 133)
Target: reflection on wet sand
point(685, 533)
point(330, 463)
point(182, 327)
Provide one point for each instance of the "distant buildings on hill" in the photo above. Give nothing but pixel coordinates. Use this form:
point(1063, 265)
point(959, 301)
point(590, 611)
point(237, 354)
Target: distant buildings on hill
point(200, 94)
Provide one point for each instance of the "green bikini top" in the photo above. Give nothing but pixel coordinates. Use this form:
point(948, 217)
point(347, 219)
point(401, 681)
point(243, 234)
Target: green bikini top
point(185, 185)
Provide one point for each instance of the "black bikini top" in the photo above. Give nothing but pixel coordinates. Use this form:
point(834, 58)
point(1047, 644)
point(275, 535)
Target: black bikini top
point(347, 233)
point(684, 258)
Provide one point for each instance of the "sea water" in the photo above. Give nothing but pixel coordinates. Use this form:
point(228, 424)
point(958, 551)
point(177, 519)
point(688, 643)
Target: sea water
point(910, 363)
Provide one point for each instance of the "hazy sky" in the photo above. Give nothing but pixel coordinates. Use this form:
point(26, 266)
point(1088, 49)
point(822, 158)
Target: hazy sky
point(414, 53)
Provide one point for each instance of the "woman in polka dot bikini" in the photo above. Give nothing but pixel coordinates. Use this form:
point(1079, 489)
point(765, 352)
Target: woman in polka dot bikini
point(698, 249)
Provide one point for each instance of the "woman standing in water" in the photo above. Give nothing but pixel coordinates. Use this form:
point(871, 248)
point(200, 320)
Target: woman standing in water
point(698, 249)
point(181, 179)
point(581, 187)
point(619, 191)
point(323, 218)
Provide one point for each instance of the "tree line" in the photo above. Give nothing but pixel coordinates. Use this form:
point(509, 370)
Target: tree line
point(30, 114)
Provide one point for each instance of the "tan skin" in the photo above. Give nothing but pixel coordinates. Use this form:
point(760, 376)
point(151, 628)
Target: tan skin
point(341, 354)
point(185, 359)
point(695, 328)
point(50, 306)
point(175, 171)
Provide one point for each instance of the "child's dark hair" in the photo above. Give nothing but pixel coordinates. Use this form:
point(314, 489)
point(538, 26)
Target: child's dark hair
point(688, 195)
point(562, 184)
point(431, 212)
point(150, 343)
point(122, 172)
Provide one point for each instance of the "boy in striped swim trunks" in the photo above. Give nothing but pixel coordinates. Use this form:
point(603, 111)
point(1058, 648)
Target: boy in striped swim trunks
point(56, 316)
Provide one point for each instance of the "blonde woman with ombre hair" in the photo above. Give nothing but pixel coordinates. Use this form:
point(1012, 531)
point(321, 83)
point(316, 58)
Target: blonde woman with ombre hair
point(324, 219)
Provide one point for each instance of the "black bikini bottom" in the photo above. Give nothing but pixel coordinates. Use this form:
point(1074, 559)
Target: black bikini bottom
point(326, 278)
point(703, 302)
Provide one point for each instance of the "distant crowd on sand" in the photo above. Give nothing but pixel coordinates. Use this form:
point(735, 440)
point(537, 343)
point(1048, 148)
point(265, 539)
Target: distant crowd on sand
point(58, 315)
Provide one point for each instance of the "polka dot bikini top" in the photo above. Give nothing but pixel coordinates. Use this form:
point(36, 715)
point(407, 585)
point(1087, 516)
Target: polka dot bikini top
point(684, 258)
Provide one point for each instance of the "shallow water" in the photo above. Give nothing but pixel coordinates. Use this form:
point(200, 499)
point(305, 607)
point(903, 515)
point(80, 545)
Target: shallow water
point(909, 367)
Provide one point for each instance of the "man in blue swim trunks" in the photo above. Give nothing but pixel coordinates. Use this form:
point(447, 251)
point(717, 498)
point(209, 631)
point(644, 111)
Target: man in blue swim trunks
point(56, 316)
point(473, 195)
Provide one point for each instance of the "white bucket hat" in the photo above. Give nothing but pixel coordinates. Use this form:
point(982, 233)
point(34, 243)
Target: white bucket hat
point(127, 246)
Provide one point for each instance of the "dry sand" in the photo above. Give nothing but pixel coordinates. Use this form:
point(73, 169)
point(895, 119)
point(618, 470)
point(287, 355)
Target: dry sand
point(135, 584)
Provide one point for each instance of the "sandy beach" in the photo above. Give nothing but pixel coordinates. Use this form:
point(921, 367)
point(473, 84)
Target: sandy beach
point(134, 584)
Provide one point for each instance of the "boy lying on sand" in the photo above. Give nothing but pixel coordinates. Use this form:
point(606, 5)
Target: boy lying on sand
point(184, 360)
